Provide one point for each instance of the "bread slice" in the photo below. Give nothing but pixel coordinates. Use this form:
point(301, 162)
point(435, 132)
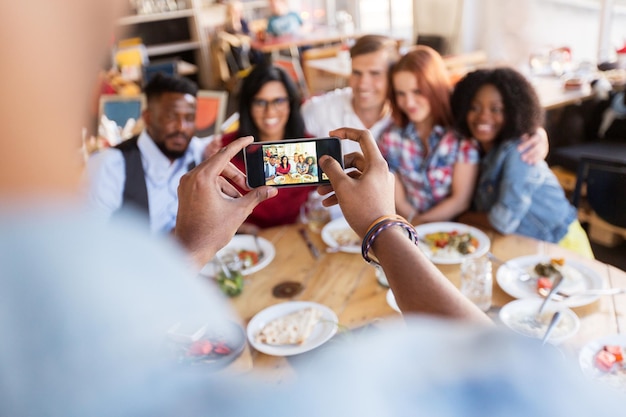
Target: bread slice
point(291, 329)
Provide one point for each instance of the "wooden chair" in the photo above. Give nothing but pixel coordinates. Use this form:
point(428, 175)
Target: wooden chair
point(602, 181)
point(225, 65)
point(294, 69)
point(210, 112)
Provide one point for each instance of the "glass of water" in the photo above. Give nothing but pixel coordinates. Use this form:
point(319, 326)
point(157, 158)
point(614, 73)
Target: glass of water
point(477, 281)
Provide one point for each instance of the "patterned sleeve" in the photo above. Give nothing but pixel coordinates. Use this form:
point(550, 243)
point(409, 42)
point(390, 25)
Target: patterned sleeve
point(468, 151)
point(389, 142)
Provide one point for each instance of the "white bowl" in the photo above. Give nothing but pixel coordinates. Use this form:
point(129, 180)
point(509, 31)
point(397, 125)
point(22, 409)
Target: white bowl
point(521, 317)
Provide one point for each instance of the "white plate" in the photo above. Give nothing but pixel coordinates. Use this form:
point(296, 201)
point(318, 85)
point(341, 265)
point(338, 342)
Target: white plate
point(507, 277)
point(520, 315)
point(239, 243)
point(616, 378)
point(323, 331)
point(391, 300)
point(441, 257)
point(336, 226)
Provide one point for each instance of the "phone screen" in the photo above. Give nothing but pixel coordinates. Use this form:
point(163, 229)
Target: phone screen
point(292, 162)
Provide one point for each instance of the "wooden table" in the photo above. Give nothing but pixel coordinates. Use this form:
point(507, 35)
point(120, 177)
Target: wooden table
point(289, 179)
point(553, 94)
point(347, 285)
point(317, 36)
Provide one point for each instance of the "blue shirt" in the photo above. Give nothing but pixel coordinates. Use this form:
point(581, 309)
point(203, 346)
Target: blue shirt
point(287, 24)
point(522, 198)
point(85, 309)
point(107, 175)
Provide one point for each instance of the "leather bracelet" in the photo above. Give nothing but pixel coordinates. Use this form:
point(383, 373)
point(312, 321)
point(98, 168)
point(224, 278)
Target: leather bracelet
point(379, 227)
point(382, 218)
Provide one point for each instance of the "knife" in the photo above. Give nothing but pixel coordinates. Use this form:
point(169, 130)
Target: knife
point(312, 248)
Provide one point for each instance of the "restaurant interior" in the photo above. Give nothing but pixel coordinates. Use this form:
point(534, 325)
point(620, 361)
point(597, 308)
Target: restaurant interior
point(579, 76)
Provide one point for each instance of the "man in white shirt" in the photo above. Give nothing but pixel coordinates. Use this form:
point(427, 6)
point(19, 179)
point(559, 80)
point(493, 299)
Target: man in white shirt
point(362, 105)
point(143, 172)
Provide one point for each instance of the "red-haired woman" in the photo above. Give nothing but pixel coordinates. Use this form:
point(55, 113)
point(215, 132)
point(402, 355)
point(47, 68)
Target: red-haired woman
point(435, 168)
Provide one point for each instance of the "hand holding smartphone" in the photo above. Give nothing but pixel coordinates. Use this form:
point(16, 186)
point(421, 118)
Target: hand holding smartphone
point(289, 162)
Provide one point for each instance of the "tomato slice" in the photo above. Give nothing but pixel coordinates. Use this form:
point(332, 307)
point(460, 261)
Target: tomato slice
point(605, 360)
point(544, 283)
point(200, 348)
point(250, 256)
point(616, 351)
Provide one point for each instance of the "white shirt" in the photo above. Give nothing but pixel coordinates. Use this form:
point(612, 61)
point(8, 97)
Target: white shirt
point(334, 110)
point(107, 176)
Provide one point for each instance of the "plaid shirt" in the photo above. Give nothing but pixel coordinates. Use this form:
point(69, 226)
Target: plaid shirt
point(427, 178)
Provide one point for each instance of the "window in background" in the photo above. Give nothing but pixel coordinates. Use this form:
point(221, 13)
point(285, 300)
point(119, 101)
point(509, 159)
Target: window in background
point(388, 17)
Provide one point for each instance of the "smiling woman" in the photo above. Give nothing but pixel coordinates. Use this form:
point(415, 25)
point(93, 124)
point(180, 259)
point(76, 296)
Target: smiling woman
point(269, 110)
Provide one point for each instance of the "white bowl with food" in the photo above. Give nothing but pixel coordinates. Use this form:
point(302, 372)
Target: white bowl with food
point(522, 316)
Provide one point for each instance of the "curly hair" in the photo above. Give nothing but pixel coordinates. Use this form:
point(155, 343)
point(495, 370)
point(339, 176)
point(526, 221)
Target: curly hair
point(433, 81)
point(522, 111)
point(260, 75)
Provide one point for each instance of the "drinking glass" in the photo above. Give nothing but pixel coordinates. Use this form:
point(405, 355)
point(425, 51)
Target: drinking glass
point(314, 214)
point(477, 281)
point(381, 277)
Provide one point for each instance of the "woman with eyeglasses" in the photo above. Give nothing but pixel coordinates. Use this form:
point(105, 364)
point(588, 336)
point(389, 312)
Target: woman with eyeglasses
point(269, 110)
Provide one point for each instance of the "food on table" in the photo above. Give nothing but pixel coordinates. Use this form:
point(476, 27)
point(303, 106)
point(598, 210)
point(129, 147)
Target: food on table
point(279, 179)
point(248, 257)
point(345, 237)
point(231, 284)
point(546, 272)
point(452, 242)
point(291, 329)
point(295, 176)
point(610, 357)
point(549, 269)
point(208, 350)
point(544, 283)
point(307, 177)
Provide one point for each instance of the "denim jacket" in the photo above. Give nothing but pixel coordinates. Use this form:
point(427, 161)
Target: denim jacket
point(522, 198)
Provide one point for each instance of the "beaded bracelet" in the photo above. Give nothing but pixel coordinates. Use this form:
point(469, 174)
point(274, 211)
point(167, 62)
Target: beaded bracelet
point(378, 227)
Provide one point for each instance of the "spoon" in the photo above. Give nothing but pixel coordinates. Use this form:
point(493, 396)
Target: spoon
point(555, 285)
point(553, 322)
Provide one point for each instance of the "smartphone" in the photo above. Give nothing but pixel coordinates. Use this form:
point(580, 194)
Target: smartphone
point(289, 162)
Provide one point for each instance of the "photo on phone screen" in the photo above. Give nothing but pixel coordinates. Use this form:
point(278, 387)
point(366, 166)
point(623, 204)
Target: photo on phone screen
point(291, 162)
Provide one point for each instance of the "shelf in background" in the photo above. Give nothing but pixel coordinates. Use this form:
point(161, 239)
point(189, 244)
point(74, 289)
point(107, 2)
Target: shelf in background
point(154, 17)
point(172, 48)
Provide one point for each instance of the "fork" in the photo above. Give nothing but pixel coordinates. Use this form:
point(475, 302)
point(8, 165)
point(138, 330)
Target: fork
point(521, 274)
point(259, 249)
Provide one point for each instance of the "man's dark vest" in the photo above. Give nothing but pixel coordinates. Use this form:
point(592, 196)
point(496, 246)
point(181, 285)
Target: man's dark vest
point(135, 189)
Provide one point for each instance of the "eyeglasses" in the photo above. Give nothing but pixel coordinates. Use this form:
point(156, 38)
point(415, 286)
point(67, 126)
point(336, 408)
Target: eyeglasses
point(280, 103)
